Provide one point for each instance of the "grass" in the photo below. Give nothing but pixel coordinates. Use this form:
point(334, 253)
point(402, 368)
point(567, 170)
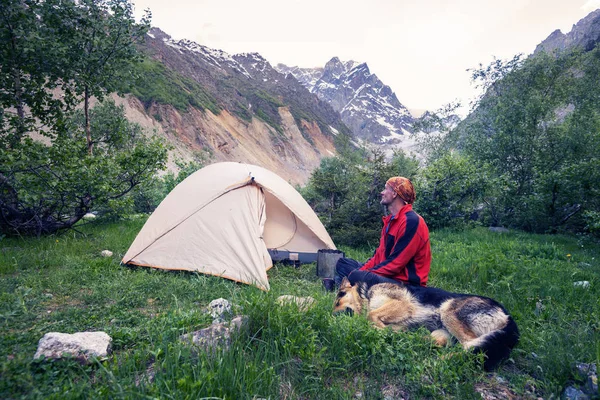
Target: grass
point(61, 283)
point(157, 83)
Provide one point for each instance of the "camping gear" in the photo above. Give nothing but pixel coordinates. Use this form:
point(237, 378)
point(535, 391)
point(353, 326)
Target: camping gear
point(223, 219)
point(326, 261)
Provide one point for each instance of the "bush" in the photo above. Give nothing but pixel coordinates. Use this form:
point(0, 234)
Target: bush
point(344, 192)
point(47, 188)
point(451, 190)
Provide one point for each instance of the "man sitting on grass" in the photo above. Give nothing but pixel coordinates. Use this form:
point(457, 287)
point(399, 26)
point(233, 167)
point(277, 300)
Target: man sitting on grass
point(404, 253)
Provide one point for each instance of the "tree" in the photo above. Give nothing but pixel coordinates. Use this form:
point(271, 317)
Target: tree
point(101, 46)
point(31, 52)
point(451, 189)
point(345, 192)
point(79, 47)
point(537, 128)
point(49, 188)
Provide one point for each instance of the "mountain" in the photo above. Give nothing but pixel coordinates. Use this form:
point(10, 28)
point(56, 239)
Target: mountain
point(231, 108)
point(585, 34)
point(368, 107)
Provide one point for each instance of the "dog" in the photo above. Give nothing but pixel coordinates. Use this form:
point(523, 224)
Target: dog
point(478, 323)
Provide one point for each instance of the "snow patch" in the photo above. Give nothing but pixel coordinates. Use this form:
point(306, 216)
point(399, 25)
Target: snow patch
point(381, 121)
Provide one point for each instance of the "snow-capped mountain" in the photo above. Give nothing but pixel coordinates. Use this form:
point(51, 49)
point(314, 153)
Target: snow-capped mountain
point(368, 107)
point(233, 108)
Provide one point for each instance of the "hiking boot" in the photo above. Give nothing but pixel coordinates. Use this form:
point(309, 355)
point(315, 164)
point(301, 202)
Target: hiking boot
point(329, 284)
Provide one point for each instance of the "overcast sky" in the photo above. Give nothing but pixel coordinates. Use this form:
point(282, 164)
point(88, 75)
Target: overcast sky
point(420, 48)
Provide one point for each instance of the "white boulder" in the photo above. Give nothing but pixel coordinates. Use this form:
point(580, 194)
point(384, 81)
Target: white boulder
point(81, 345)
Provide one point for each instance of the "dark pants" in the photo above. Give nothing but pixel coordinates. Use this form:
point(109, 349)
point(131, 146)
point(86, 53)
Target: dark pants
point(347, 267)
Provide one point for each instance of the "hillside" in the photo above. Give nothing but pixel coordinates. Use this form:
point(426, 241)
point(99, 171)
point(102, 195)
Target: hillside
point(231, 108)
point(583, 37)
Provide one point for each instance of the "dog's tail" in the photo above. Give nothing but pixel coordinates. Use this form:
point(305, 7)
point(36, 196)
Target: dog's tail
point(496, 345)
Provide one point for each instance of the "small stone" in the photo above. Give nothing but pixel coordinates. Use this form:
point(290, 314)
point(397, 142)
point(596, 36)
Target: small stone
point(238, 322)
point(215, 336)
point(591, 385)
point(572, 393)
point(219, 310)
point(106, 253)
point(303, 303)
point(89, 216)
point(585, 369)
point(582, 284)
point(539, 307)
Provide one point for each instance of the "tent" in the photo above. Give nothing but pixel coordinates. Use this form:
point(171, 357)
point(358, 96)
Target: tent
point(228, 219)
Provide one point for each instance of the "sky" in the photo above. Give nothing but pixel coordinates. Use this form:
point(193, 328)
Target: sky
point(422, 49)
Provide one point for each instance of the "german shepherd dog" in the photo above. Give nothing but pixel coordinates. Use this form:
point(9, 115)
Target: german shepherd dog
point(478, 323)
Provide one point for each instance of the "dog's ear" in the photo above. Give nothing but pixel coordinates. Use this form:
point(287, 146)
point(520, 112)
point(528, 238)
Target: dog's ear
point(345, 284)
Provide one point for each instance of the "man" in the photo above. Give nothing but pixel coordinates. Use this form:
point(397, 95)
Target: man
point(404, 253)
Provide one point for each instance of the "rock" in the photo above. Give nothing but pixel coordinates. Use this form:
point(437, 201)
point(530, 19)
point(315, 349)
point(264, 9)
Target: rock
point(588, 373)
point(498, 229)
point(391, 392)
point(238, 322)
point(147, 377)
point(572, 393)
point(218, 335)
point(219, 310)
point(81, 345)
point(584, 34)
point(582, 284)
point(494, 391)
point(591, 386)
point(303, 303)
point(106, 253)
point(89, 216)
point(539, 307)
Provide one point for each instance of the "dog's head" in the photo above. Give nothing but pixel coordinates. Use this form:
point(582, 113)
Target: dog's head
point(347, 300)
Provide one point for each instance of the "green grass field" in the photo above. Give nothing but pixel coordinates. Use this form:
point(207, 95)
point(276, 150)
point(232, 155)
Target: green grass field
point(62, 284)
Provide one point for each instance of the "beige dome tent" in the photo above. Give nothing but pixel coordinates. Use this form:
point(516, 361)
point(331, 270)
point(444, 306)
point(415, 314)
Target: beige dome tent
point(223, 220)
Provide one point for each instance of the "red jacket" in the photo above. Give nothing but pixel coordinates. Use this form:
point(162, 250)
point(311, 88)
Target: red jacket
point(404, 253)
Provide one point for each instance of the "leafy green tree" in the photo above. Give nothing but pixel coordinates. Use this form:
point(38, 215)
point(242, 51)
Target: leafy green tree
point(102, 44)
point(148, 195)
point(47, 188)
point(537, 128)
point(451, 190)
point(31, 55)
point(49, 183)
point(345, 192)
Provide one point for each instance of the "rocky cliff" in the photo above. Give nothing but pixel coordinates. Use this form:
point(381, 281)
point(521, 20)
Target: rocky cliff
point(231, 108)
point(585, 34)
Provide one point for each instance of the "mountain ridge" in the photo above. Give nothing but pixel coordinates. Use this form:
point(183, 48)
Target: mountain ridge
point(367, 106)
point(232, 108)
